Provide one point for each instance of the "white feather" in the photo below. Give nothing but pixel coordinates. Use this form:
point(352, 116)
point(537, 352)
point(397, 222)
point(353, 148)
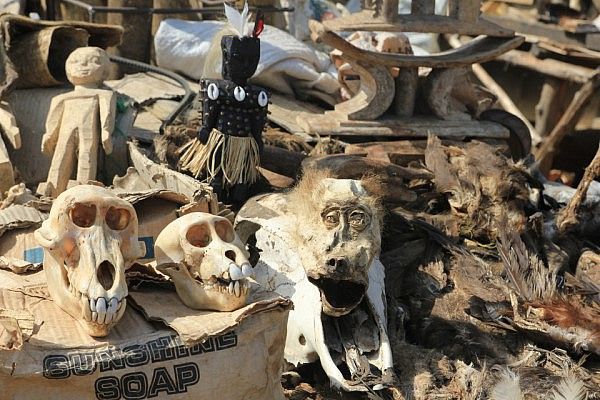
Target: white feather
point(508, 387)
point(569, 388)
point(239, 22)
point(245, 19)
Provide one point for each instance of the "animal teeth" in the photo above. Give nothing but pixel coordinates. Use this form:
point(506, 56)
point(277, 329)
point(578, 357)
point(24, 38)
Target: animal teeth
point(247, 270)
point(111, 311)
point(236, 288)
point(85, 309)
point(230, 287)
point(121, 310)
point(235, 272)
point(101, 309)
point(94, 316)
point(226, 275)
point(92, 305)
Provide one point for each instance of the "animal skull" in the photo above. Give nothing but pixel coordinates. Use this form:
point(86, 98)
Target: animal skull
point(90, 238)
point(318, 247)
point(206, 260)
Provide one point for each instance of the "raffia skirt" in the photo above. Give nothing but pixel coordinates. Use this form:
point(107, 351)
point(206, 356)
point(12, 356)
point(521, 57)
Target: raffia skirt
point(237, 158)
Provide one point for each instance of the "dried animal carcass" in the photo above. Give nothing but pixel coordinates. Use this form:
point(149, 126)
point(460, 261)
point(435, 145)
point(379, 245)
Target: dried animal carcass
point(90, 238)
point(206, 260)
point(481, 186)
point(318, 246)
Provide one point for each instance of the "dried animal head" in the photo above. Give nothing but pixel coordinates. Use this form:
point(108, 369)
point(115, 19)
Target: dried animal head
point(90, 238)
point(318, 246)
point(87, 65)
point(339, 222)
point(206, 260)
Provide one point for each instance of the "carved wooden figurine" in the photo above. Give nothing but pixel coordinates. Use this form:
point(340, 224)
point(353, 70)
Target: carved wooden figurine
point(78, 120)
point(227, 150)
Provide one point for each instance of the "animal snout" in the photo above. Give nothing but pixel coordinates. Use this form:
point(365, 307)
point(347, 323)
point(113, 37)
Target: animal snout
point(339, 264)
point(106, 275)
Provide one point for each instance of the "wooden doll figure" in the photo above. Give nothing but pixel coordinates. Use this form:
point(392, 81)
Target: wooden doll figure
point(234, 113)
point(78, 121)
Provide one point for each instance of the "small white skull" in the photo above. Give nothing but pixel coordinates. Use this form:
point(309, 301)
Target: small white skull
point(90, 238)
point(206, 260)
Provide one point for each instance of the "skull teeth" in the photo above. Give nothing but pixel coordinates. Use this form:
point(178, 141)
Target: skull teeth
point(247, 270)
point(101, 310)
point(235, 288)
point(235, 272)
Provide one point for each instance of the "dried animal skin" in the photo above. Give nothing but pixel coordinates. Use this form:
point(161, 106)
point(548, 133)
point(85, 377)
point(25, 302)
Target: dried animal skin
point(90, 238)
point(481, 185)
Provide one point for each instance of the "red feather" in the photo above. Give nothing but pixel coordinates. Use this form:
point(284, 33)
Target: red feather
point(259, 25)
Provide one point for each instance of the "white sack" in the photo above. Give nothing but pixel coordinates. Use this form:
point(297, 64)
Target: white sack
point(286, 64)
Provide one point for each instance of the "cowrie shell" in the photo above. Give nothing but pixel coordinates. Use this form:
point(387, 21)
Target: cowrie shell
point(239, 93)
point(212, 91)
point(263, 99)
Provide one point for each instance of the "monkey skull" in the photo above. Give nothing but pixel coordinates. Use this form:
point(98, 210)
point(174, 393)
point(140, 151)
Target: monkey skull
point(206, 261)
point(90, 238)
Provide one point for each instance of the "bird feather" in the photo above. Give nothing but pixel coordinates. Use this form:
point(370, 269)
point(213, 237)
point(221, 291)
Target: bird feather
point(234, 18)
point(508, 388)
point(569, 388)
point(238, 21)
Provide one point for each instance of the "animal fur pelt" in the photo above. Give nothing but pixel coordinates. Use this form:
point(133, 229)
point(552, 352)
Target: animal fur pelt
point(480, 185)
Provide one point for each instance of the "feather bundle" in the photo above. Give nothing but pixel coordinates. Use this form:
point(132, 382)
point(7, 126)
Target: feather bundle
point(238, 21)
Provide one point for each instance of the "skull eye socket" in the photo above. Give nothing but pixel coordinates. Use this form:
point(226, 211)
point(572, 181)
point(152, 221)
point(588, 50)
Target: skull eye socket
point(224, 231)
point(198, 235)
point(83, 215)
point(117, 219)
point(358, 220)
point(332, 218)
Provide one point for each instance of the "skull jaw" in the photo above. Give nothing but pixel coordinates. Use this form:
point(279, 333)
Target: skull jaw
point(95, 329)
point(204, 296)
point(339, 297)
point(216, 298)
point(73, 302)
point(306, 321)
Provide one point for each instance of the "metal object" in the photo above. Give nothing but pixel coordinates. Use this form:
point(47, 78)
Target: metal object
point(92, 10)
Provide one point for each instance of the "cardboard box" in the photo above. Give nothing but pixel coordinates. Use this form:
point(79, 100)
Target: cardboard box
point(160, 349)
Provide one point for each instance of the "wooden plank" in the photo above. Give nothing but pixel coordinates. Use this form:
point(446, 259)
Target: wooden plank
point(548, 66)
point(468, 11)
point(389, 10)
point(416, 127)
point(422, 7)
point(284, 110)
point(551, 104)
point(550, 31)
point(402, 152)
point(367, 21)
point(478, 50)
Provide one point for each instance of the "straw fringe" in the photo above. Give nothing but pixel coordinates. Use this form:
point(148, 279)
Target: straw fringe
point(240, 158)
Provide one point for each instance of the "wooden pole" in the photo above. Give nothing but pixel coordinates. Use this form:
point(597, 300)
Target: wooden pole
point(568, 217)
point(545, 154)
